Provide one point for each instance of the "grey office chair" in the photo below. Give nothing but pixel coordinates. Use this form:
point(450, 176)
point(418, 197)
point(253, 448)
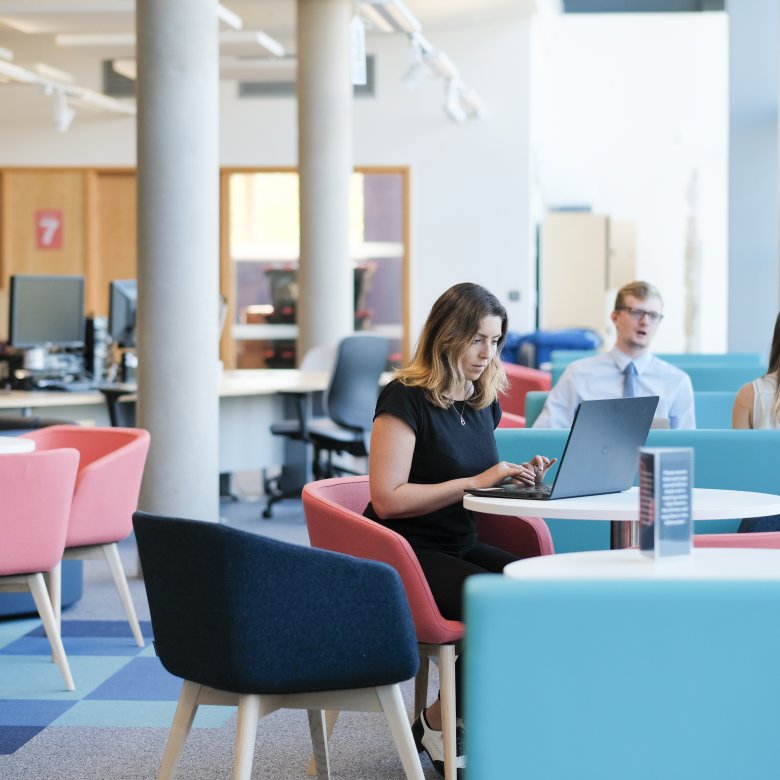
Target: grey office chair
point(350, 402)
point(290, 480)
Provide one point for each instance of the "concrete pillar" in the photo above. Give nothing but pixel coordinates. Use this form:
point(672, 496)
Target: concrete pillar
point(178, 254)
point(754, 205)
point(326, 291)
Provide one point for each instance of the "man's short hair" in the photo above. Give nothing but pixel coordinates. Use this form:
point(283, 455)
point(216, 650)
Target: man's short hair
point(639, 290)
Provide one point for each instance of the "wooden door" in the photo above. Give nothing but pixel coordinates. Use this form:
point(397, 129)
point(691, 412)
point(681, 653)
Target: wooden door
point(112, 237)
point(43, 223)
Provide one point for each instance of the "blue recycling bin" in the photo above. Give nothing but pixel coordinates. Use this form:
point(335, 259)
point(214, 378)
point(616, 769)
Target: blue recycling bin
point(535, 349)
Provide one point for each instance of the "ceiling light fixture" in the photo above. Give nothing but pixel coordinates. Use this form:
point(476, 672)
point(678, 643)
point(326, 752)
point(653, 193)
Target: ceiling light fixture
point(63, 113)
point(452, 105)
point(391, 16)
point(228, 18)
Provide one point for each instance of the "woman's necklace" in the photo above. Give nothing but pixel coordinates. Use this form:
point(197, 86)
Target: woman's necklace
point(459, 413)
point(462, 408)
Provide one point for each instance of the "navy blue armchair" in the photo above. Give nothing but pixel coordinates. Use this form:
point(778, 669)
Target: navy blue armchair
point(262, 624)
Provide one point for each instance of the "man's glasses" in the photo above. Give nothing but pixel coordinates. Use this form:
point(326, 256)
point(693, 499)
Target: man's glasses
point(637, 314)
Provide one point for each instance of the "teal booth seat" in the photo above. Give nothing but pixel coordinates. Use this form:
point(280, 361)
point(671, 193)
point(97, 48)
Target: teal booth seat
point(534, 403)
point(713, 407)
point(733, 460)
point(565, 356)
point(713, 374)
point(721, 376)
point(584, 680)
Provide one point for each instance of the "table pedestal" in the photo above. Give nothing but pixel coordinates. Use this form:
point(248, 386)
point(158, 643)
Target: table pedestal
point(623, 534)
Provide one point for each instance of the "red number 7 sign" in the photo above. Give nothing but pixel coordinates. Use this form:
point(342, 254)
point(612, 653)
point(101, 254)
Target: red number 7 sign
point(48, 229)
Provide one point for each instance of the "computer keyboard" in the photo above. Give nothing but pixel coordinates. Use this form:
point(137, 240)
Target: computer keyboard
point(73, 386)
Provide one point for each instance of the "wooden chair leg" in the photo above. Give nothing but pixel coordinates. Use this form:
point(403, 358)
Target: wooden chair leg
point(180, 728)
point(448, 720)
point(111, 551)
point(330, 724)
point(319, 743)
point(421, 686)
point(246, 732)
point(41, 597)
point(53, 580)
point(395, 712)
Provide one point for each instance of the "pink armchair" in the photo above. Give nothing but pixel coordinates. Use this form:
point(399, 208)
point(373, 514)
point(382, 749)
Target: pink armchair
point(105, 497)
point(36, 490)
point(333, 509)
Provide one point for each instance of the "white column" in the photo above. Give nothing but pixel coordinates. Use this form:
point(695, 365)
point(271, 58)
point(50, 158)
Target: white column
point(326, 292)
point(178, 254)
point(754, 194)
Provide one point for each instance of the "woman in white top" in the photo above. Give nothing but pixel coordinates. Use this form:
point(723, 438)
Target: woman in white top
point(757, 405)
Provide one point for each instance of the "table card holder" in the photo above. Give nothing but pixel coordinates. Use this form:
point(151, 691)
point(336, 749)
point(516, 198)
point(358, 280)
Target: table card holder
point(665, 482)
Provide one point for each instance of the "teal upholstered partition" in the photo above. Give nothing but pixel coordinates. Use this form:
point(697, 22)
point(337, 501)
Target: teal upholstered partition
point(721, 376)
point(735, 460)
point(707, 371)
point(534, 402)
point(584, 680)
point(713, 407)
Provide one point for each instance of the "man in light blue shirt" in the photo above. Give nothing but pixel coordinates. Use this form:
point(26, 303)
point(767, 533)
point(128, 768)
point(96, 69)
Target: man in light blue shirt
point(628, 369)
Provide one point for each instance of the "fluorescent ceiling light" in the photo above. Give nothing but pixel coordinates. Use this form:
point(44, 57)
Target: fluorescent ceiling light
point(95, 39)
point(227, 17)
point(76, 95)
point(257, 69)
point(53, 73)
point(392, 14)
point(375, 19)
point(264, 41)
point(442, 65)
point(227, 38)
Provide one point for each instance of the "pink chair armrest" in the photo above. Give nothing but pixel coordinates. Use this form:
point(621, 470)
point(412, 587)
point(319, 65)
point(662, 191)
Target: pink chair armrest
point(522, 536)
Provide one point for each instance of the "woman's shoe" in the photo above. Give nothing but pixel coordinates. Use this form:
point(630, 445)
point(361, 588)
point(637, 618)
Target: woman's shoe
point(432, 742)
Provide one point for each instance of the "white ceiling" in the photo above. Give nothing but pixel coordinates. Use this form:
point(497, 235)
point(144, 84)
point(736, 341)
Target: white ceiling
point(44, 18)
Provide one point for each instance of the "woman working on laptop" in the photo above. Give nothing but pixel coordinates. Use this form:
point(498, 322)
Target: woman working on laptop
point(433, 437)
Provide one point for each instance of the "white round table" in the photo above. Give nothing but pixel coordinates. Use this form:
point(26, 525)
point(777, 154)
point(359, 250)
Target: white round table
point(704, 563)
point(622, 509)
point(10, 444)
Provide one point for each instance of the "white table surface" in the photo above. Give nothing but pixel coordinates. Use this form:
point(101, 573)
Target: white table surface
point(707, 504)
point(704, 563)
point(15, 444)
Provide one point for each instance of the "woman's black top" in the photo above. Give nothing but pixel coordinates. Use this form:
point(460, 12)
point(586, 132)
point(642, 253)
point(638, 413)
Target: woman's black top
point(444, 449)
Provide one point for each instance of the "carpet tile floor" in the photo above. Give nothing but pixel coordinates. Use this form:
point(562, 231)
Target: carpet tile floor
point(117, 683)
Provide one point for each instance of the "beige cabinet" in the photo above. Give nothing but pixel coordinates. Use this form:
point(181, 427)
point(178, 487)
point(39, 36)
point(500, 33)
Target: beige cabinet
point(584, 259)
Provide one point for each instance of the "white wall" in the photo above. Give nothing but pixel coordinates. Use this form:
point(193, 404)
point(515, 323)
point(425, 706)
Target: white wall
point(469, 183)
point(624, 108)
point(628, 107)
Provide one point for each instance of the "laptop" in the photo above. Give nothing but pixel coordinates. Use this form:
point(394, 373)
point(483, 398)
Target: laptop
point(601, 452)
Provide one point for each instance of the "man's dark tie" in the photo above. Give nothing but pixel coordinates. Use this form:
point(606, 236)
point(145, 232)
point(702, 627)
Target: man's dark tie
point(629, 385)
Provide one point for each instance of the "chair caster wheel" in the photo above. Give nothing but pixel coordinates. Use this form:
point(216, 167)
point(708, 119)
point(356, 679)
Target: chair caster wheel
point(267, 513)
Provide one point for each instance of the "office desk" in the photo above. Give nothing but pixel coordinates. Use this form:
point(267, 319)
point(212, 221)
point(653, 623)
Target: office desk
point(622, 509)
point(707, 563)
point(250, 400)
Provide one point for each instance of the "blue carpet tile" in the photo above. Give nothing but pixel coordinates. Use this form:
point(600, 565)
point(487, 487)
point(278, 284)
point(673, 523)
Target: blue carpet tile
point(117, 683)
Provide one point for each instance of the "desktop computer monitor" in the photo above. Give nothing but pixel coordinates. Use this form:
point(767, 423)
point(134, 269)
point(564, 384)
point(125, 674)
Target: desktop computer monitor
point(122, 298)
point(46, 311)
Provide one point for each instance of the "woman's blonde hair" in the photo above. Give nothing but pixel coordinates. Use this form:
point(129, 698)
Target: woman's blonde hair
point(452, 324)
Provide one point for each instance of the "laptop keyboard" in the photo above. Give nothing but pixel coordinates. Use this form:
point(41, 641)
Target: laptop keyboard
point(529, 491)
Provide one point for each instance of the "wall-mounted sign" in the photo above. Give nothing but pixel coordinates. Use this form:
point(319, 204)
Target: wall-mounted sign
point(48, 229)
